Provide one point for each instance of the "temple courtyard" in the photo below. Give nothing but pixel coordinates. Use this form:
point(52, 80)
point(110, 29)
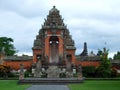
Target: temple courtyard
point(87, 85)
point(54, 65)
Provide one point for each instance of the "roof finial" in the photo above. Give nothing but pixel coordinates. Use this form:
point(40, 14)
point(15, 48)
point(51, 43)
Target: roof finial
point(54, 10)
point(54, 6)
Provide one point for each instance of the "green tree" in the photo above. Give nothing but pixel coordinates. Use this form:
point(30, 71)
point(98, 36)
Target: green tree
point(99, 53)
point(88, 71)
point(7, 44)
point(4, 71)
point(117, 56)
point(104, 70)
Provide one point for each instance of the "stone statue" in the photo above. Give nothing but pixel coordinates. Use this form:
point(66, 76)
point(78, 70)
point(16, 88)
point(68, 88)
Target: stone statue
point(79, 71)
point(33, 68)
point(38, 72)
point(69, 73)
point(46, 60)
point(60, 60)
point(36, 43)
point(21, 74)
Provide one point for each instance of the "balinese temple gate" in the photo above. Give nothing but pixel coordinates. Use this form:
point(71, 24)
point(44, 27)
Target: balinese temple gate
point(54, 49)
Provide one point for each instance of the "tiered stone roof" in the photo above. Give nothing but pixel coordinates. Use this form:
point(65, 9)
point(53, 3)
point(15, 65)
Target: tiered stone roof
point(54, 22)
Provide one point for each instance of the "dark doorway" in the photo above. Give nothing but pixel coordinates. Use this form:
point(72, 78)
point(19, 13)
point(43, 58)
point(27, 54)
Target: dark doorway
point(69, 57)
point(54, 52)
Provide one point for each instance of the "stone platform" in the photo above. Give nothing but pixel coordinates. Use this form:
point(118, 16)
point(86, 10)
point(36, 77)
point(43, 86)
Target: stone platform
point(56, 81)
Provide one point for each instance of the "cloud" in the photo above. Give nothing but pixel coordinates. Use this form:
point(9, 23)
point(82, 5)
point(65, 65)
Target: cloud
point(22, 30)
point(26, 8)
point(91, 21)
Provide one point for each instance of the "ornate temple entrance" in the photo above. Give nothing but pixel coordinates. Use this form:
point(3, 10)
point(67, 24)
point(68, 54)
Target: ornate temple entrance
point(54, 52)
point(54, 48)
point(54, 43)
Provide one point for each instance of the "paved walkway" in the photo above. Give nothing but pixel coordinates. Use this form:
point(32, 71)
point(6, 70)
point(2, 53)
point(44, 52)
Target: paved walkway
point(48, 87)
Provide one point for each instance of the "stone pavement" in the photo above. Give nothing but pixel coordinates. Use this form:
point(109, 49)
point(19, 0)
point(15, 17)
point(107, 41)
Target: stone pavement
point(48, 87)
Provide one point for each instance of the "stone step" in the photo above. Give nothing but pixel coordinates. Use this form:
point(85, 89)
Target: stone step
point(50, 80)
point(53, 72)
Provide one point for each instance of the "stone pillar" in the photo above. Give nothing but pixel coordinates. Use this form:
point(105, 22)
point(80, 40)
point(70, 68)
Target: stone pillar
point(21, 74)
point(33, 68)
point(38, 72)
point(79, 72)
point(69, 73)
point(74, 70)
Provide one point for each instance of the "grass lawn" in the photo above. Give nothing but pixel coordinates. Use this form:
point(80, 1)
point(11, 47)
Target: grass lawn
point(87, 85)
point(11, 85)
point(97, 85)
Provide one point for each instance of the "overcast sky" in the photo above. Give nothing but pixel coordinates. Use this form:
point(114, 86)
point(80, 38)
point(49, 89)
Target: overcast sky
point(96, 22)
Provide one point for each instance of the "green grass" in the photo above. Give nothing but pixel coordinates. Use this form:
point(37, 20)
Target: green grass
point(96, 85)
point(11, 85)
point(87, 85)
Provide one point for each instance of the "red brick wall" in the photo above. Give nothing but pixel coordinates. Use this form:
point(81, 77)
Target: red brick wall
point(88, 63)
point(16, 64)
point(27, 64)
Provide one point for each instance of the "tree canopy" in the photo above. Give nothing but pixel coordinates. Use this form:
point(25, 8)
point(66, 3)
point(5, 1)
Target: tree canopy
point(7, 44)
point(104, 70)
point(117, 56)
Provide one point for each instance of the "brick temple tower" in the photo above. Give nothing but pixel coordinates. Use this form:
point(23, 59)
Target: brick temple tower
point(54, 44)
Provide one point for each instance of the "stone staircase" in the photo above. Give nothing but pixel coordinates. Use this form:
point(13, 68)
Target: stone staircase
point(52, 78)
point(53, 72)
point(46, 81)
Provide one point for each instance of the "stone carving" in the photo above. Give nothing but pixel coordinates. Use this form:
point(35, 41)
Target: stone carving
point(79, 71)
point(38, 72)
point(57, 47)
point(69, 74)
point(36, 43)
point(68, 66)
point(21, 74)
point(46, 60)
point(33, 68)
point(53, 72)
point(69, 70)
point(54, 19)
point(60, 60)
point(74, 70)
point(54, 22)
